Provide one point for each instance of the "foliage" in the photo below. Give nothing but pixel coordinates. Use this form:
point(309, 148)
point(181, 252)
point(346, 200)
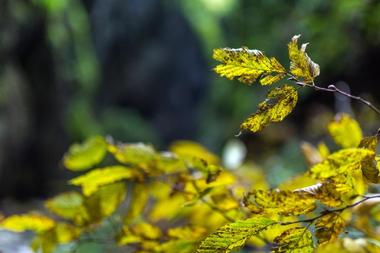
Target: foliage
point(183, 200)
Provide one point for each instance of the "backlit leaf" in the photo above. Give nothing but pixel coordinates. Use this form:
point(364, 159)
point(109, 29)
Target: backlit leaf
point(248, 66)
point(345, 131)
point(294, 240)
point(279, 202)
point(280, 103)
point(34, 222)
point(328, 227)
point(301, 66)
point(233, 235)
point(83, 156)
point(190, 149)
point(91, 181)
point(343, 161)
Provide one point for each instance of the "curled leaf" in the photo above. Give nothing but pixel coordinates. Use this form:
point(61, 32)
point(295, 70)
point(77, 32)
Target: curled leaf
point(301, 66)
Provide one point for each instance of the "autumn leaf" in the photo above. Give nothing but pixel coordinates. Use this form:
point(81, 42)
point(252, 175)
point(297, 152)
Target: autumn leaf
point(34, 222)
point(233, 235)
point(301, 66)
point(83, 156)
point(280, 103)
point(345, 131)
point(294, 240)
point(248, 66)
point(282, 202)
point(328, 227)
point(91, 181)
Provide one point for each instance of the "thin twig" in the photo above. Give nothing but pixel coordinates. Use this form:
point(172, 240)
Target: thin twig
point(333, 89)
point(311, 220)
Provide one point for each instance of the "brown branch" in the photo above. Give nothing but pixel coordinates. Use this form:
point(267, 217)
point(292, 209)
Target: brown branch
point(333, 89)
point(312, 220)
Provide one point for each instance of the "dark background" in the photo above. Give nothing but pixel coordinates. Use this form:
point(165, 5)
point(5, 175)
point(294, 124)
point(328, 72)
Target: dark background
point(141, 70)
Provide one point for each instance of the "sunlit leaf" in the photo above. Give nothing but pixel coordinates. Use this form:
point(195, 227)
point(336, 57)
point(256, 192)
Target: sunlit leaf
point(345, 131)
point(69, 205)
point(34, 222)
point(86, 155)
point(343, 161)
point(301, 66)
point(279, 202)
point(294, 240)
point(328, 227)
point(248, 66)
point(233, 235)
point(190, 149)
point(91, 181)
point(280, 103)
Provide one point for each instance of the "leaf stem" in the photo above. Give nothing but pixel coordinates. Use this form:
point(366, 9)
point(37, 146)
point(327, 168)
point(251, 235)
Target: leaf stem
point(333, 89)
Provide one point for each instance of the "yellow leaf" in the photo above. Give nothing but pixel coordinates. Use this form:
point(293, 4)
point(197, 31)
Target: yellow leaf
point(34, 222)
point(91, 181)
point(301, 66)
point(83, 156)
point(248, 66)
point(343, 161)
point(279, 202)
point(280, 103)
point(105, 201)
point(310, 153)
point(190, 150)
point(345, 131)
point(188, 233)
point(69, 205)
point(328, 227)
point(137, 154)
point(233, 235)
point(294, 240)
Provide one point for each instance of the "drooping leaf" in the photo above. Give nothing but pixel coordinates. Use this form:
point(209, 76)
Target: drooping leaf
point(294, 240)
point(370, 167)
point(345, 131)
point(69, 205)
point(91, 181)
point(280, 103)
point(83, 156)
point(34, 222)
point(105, 201)
point(301, 66)
point(279, 202)
point(233, 235)
point(248, 66)
point(343, 161)
point(328, 227)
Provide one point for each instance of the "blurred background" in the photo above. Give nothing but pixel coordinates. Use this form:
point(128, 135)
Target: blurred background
point(141, 70)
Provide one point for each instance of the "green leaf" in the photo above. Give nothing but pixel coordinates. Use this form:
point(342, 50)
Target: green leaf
point(282, 202)
point(91, 181)
point(345, 131)
point(248, 66)
point(301, 66)
point(234, 235)
point(280, 103)
point(84, 156)
point(294, 240)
